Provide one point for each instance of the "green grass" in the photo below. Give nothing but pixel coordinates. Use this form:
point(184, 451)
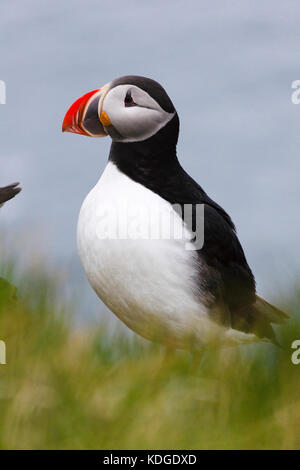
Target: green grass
point(68, 388)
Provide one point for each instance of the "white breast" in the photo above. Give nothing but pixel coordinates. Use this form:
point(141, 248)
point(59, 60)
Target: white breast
point(150, 284)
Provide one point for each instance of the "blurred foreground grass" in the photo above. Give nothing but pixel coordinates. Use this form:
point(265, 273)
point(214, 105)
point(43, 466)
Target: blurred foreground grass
point(68, 388)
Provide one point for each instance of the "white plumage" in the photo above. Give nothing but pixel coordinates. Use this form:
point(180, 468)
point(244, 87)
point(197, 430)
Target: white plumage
point(149, 284)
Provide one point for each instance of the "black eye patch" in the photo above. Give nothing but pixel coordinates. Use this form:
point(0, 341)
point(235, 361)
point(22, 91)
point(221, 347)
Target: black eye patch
point(128, 100)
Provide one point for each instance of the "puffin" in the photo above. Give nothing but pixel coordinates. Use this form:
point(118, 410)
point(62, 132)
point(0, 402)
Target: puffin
point(8, 192)
point(160, 253)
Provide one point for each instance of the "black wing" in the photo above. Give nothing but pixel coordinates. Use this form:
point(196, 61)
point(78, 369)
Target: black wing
point(8, 192)
point(229, 276)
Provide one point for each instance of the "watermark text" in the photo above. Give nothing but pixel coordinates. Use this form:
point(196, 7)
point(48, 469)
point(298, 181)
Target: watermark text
point(2, 352)
point(296, 354)
point(295, 97)
point(140, 221)
point(2, 92)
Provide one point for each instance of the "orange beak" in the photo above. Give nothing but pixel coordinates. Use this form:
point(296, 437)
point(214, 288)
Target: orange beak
point(83, 115)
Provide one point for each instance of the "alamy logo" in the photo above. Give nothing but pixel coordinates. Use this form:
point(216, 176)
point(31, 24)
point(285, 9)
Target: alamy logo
point(2, 352)
point(296, 354)
point(2, 92)
point(140, 221)
point(295, 97)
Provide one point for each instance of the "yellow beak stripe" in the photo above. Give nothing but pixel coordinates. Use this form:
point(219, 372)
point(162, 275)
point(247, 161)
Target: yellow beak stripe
point(104, 119)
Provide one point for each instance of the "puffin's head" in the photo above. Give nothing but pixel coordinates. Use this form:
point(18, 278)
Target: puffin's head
point(129, 109)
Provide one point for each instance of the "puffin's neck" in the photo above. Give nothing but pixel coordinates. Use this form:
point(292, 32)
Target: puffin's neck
point(151, 162)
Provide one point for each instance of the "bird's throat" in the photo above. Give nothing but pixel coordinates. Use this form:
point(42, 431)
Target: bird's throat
point(150, 162)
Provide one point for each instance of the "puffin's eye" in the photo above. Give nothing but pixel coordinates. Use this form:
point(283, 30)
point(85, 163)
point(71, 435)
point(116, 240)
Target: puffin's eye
point(128, 100)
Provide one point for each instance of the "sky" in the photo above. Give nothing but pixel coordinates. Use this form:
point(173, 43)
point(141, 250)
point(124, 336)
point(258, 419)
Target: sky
point(228, 68)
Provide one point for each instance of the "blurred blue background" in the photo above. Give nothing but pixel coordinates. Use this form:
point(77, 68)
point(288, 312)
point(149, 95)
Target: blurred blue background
point(227, 66)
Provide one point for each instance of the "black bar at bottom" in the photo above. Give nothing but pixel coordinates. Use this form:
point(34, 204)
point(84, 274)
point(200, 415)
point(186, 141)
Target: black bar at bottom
point(137, 458)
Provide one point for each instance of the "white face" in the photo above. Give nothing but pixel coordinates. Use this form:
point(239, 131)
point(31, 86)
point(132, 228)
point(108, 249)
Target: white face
point(133, 122)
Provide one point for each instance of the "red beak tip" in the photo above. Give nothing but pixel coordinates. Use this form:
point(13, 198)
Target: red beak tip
point(72, 121)
point(66, 128)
